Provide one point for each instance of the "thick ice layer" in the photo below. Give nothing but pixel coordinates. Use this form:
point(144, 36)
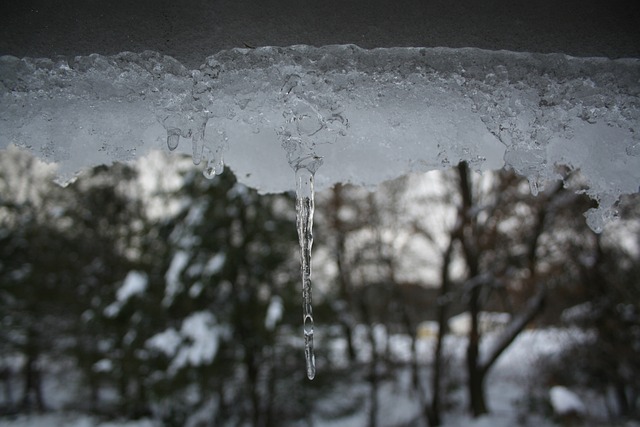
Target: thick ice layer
point(371, 115)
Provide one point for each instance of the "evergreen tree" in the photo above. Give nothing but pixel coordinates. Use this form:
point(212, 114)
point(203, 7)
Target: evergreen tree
point(232, 263)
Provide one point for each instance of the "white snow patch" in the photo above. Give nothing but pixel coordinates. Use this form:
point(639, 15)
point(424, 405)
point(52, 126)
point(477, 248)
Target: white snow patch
point(112, 309)
point(274, 313)
point(488, 322)
point(134, 284)
point(200, 346)
point(565, 402)
point(508, 386)
point(172, 276)
point(167, 342)
point(577, 313)
point(103, 365)
point(71, 420)
point(195, 215)
point(196, 289)
point(196, 344)
point(203, 415)
point(215, 264)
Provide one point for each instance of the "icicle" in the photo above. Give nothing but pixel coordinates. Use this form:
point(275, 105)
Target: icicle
point(533, 186)
point(192, 126)
point(536, 185)
point(197, 139)
point(215, 162)
point(305, 170)
point(173, 138)
point(310, 120)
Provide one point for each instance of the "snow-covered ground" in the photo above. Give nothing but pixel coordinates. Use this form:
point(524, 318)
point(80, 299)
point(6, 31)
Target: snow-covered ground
point(515, 393)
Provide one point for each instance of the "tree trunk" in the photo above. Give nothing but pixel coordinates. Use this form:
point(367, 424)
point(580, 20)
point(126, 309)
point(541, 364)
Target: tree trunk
point(270, 398)
point(373, 366)
point(467, 237)
point(252, 377)
point(477, 402)
point(33, 396)
point(534, 306)
point(7, 377)
point(373, 379)
point(344, 317)
point(94, 392)
point(433, 412)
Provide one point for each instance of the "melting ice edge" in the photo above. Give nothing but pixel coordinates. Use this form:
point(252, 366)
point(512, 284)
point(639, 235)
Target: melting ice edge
point(372, 115)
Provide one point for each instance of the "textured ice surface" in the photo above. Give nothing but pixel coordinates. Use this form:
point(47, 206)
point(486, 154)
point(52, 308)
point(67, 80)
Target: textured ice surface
point(371, 115)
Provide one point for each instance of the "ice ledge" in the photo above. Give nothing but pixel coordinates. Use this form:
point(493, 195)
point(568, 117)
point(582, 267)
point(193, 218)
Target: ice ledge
point(372, 115)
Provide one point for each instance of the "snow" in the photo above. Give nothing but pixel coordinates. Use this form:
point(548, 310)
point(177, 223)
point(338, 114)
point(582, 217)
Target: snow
point(172, 276)
point(274, 313)
point(196, 344)
point(166, 342)
point(488, 322)
point(377, 114)
point(134, 284)
point(565, 402)
point(578, 313)
point(70, 420)
point(509, 385)
point(103, 365)
point(215, 264)
point(198, 327)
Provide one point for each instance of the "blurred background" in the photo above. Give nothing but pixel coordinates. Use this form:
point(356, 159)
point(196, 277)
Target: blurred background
point(147, 292)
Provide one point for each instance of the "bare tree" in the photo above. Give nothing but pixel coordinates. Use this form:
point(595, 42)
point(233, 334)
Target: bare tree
point(340, 229)
point(499, 257)
point(433, 412)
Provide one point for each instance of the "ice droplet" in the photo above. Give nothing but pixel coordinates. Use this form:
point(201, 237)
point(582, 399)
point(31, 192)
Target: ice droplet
point(606, 212)
point(309, 355)
point(534, 186)
point(173, 138)
point(215, 166)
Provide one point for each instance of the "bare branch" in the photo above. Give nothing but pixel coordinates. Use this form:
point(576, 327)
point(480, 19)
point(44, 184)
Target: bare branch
point(517, 325)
